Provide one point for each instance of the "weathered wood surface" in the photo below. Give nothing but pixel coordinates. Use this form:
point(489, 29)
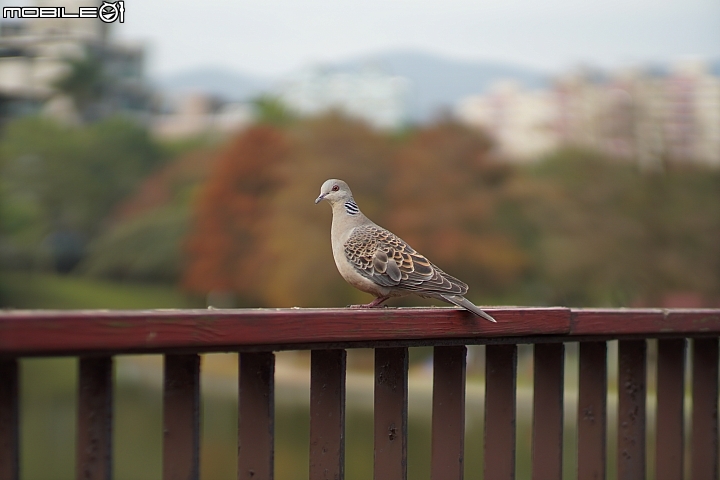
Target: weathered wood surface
point(106, 332)
point(28, 332)
point(644, 322)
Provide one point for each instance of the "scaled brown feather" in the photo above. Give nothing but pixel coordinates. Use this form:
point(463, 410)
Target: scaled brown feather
point(386, 259)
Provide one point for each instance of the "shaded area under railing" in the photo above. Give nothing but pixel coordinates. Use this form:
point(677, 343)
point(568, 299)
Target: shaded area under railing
point(96, 336)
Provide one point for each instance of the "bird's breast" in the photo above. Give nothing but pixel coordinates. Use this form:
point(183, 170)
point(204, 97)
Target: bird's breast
point(348, 271)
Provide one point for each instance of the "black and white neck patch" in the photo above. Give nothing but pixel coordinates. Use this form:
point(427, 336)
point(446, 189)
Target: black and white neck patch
point(351, 207)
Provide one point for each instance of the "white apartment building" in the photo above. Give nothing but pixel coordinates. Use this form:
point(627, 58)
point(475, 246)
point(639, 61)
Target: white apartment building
point(34, 54)
point(368, 94)
point(650, 118)
point(521, 122)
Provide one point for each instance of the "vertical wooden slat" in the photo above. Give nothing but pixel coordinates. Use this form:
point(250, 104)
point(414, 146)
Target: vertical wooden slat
point(548, 383)
point(327, 414)
point(704, 442)
point(631, 409)
point(448, 413)
point(9, 420)
point(181, 418)
point(669, 446)
point(94, 420)
point(592, 410)
point(500, 391)
point(256, 416)
point(391, 407)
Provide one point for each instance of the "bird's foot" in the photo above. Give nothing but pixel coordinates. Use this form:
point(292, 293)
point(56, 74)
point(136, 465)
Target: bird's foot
point(375, 303)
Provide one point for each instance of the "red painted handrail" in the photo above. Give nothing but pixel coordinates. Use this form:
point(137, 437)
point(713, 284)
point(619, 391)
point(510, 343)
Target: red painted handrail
point(41, 332)
point(96, 336)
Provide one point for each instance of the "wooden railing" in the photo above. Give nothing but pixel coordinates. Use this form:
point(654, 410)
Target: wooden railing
point(97, 336)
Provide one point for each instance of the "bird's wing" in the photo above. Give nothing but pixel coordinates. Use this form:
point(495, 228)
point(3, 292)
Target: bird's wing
point(387, 260)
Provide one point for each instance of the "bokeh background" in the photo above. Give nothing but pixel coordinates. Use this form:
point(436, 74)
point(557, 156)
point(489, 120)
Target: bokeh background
point(549, 154)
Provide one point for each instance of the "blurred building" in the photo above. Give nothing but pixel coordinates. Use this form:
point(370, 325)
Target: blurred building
point(649, 117)
point(193, 114)
point(35, 54)
point(369, 94)
point(520, 121)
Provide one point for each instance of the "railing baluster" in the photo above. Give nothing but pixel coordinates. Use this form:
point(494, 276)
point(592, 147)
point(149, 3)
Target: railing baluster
point(391, 408)
point(592, 410)
point(548, 387)
point(94, 431)
point(500, 392)
point(181, 417)
point(669, 449)
point(9, 420)
point(705, 409)
point(256, 416)
point(631, 409)
point(448, 413)
point(327, 414)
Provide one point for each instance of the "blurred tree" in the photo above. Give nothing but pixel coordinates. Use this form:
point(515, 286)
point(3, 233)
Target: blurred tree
point(328, 146)
point(612, 235)
point(270, 110)
point(226, 247)
point(680, 249)
point(446, 197)
point(146, 248)
point(576, 229)
point(60, 182)
point(84, 82)
point(585, 242)
point(144, 234)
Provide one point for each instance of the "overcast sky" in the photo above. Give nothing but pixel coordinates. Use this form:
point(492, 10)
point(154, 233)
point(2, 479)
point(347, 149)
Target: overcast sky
point(275, 36)
point(270, 37)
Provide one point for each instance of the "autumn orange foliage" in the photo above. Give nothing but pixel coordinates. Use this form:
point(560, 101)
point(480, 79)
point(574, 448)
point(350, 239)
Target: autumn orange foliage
point(445, 201)
point(575, 229)
point(163, 186)
point(225, 247)
point(257, 233)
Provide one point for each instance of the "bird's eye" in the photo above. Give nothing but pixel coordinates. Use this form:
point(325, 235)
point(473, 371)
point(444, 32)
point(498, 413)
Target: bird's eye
point(335, 188)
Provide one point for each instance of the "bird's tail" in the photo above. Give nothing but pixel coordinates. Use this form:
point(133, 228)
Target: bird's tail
point(467, 305)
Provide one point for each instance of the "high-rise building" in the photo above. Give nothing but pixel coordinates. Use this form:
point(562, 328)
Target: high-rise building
point(37, 52)
point(648, 117)
point(369, 94)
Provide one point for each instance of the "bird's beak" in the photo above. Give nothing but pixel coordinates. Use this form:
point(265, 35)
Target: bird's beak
point(317, 200)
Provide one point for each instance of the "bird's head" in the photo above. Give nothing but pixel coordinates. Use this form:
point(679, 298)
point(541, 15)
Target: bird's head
point(334, 191)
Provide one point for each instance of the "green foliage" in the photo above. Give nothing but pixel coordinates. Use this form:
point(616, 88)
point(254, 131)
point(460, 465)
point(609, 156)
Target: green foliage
point(176, 148)
point(144, 248)
point(58, 177)
point(36, 290)
point(84, 82)
point(576, 229)
point(606, 233)
point(270, 110)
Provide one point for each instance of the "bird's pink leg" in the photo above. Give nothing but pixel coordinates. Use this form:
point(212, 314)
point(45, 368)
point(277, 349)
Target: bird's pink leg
point(375, 303)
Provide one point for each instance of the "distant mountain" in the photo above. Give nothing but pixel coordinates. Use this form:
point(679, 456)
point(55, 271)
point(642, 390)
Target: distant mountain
point(436, 82)
point(714, 67)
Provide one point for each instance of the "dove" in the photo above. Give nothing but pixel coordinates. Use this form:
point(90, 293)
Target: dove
point(380, 263)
